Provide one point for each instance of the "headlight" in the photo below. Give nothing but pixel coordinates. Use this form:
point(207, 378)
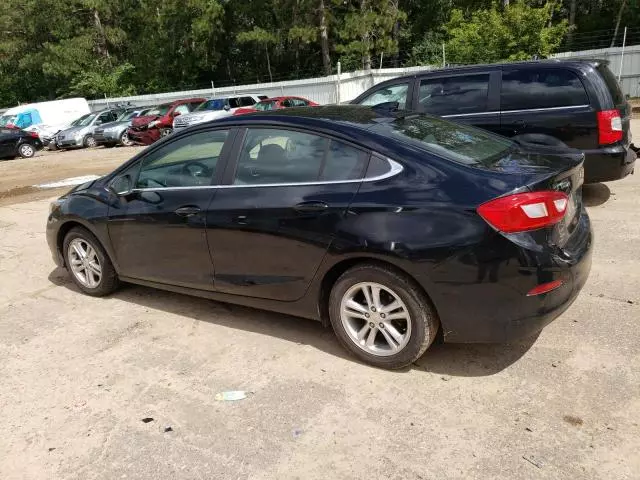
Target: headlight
point(153, 124)
point(55, 205)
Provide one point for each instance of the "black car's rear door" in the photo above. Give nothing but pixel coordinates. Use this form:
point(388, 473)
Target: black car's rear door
point(546, 105)
point(465, 97)
point(158, 230)
point(8, 142)
point(270, 226)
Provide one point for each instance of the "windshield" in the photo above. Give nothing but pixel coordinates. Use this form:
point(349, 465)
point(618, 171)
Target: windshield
point(213, 104)
point(84, 120)
point(161, 110)
point(459, 143)
point(265, 106)
point(127, 116)
point(7, 119)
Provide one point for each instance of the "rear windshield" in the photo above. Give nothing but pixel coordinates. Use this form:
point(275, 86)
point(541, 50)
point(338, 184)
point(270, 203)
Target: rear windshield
point(458, 143)
point(612, 84)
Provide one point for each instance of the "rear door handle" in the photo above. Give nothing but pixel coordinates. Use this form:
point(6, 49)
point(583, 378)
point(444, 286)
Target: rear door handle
point(188, 211)
point(310, 207)
point(519, 124)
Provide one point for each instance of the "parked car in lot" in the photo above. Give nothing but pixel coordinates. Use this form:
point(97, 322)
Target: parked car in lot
point(216, 108)
point(81, 132)
point(157, 123)
point(575, 103)
point(116, 133)
point(15, 142)
point(386, 227)
point(45, 115)
point(276, 103)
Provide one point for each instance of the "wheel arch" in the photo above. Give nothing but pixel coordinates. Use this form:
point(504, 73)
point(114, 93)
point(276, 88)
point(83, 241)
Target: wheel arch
point(66, 227)
point(332, 275)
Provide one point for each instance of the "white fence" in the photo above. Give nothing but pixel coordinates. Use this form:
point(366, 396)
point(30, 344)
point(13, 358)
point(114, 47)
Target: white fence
point(628, 65)
point(323, 90)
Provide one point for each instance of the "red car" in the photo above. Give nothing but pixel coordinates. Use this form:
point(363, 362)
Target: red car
point(159, 121)
point(276, 103)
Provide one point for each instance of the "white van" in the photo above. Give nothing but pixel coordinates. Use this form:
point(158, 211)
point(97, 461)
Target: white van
point(45, 115)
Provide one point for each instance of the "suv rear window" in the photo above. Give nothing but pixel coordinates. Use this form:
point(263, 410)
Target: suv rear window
point(456, 142)
point(528, 88)
point(612, 84)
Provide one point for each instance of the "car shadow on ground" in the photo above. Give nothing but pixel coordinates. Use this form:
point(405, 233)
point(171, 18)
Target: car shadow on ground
point(595, 194)
point(442, 359)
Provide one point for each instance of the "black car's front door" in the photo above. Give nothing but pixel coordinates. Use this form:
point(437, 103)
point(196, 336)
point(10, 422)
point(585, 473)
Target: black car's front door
point(158, 230)
point(271, 225)
point(470, 98)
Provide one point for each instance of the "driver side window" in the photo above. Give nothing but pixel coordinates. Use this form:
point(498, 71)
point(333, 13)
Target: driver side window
point(187, 162)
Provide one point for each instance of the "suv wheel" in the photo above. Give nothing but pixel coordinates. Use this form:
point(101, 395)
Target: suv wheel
point(381, 316)
point(90, 267)
point(26, 150)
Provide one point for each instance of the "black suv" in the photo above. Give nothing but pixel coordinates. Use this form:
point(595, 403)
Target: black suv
point(575, 103)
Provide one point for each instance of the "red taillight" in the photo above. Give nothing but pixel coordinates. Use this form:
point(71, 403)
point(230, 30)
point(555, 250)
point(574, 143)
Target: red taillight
point(609, 127)
point(525, 211)
point(544, 288)
point(33, 134)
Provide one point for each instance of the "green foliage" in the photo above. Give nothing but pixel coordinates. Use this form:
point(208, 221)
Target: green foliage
point(516, 32)
point(57, 48)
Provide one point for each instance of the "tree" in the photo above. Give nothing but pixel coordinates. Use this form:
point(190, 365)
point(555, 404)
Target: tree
point(262, 38)
point(516, 33)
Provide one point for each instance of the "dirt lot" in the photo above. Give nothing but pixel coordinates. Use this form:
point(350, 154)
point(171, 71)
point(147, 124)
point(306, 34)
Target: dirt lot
point(79, 374)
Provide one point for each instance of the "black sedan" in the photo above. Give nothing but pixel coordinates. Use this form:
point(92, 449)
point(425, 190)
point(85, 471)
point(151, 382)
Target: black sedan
point(389, 227)
point(18, 143)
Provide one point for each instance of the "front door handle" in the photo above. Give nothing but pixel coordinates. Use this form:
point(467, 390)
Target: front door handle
point(310, 207)
point(188, 211)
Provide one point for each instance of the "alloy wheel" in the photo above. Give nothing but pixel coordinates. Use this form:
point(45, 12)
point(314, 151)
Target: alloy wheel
point(90, 142)
point(375, 319)
point(124, 140)
point(26, 150)
point(84, 263)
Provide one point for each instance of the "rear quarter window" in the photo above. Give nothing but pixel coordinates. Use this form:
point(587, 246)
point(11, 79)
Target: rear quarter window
point(525, 89)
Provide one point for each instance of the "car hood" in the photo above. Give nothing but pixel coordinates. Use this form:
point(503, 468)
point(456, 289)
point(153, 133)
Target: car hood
point(70, 132)
point(144, 120)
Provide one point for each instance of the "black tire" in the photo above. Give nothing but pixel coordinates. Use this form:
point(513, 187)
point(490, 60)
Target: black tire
point(109, 145)
point(424, 321)
point(89, 142)
point(109, 279)
point(26, 150)
point(125, 140)
point(165, 132)
point(52, 146)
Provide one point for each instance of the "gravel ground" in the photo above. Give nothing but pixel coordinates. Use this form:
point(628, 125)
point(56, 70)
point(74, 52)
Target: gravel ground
point(79, 374)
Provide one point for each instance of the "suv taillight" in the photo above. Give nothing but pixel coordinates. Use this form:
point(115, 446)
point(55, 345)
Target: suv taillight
point(524, 211)
point(609, 127)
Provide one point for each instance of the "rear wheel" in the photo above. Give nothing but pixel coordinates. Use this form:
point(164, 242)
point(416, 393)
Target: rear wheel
point(90, 141)
point(165, 132)
point(125, 140)
point(90, 267)
point(381, 316)
point(26, 150)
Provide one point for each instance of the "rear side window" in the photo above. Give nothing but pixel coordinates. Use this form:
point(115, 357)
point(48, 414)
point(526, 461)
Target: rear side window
point(541, 88)
point(181, 109)
point(454, 95)
point(247, 101)
point(612, 84)
point(234, 102)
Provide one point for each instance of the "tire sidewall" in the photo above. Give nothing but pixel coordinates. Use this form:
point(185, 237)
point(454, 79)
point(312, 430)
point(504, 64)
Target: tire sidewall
point(422, 319)
point(86, 141)
point(104, 286)
point(125, 140)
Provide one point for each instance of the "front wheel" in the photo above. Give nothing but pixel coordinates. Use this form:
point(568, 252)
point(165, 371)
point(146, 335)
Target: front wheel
point(26, 150)
point(381, 316)
point(164, 132)
point(90, 267)
point(90, 142)
point(125, 140)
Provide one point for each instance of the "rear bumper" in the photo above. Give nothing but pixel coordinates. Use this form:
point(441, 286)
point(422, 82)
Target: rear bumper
point(487, 300)
point(608, 164)
point(107, 137)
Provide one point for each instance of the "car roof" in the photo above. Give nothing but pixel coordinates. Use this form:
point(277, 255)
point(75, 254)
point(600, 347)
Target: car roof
point(572, 63)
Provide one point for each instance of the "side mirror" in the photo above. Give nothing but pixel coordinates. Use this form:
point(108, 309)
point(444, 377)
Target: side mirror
point(121, 186)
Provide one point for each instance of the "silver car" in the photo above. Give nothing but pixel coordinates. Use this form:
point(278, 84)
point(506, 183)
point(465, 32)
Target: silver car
point(81, 132)
point(115, 133)
point(216, 108)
